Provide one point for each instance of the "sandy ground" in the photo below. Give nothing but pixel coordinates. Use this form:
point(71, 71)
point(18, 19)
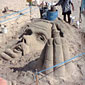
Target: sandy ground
point(14, 26)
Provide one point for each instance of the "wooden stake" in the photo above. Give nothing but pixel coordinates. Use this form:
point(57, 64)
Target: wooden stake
point(36, 78)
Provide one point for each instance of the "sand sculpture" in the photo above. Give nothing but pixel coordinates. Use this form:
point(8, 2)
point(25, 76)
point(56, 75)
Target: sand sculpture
point(46, 37)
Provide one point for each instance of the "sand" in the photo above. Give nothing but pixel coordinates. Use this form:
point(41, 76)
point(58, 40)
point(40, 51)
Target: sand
point(19, 72)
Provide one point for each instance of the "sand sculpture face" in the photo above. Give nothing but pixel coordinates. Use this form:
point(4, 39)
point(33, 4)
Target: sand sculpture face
point(33, 39)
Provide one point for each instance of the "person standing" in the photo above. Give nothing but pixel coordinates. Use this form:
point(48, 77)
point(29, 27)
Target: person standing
point(82, 15)
point(66, 8)
point(83, 7)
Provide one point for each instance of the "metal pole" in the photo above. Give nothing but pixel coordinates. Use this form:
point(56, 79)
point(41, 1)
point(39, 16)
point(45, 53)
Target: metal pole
point(30, 10)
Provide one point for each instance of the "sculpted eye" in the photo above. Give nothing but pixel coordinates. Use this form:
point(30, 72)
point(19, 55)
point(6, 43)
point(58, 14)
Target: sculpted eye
point(41, 37)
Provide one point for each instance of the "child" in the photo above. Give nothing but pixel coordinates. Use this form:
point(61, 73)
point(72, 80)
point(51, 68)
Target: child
point(66, 8)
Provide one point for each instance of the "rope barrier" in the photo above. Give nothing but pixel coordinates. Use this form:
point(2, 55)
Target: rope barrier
point(14, 17)
point(60, 63)
point(14, 12)
point(11, 18)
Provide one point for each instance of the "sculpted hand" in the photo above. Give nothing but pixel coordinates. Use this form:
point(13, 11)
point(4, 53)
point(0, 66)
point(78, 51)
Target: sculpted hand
point(56, 52)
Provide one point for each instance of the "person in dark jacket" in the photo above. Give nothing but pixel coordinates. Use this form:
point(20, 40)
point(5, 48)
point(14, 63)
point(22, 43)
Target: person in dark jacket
point(66, 8)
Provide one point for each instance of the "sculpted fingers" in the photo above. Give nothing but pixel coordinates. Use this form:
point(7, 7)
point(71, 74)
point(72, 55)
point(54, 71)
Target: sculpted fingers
point(55, 32)
point(48, 62)
point(58, 57)
point(57, 52)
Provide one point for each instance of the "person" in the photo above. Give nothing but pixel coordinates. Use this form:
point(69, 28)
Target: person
point(43, 9)
point(3, 81)
point(66, 8)
point(82, 15)
point(83, 7)
point(29, 1)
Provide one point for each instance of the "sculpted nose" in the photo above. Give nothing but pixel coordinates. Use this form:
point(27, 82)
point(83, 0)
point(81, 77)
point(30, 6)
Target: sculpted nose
point(27, 39)
point(24, 39)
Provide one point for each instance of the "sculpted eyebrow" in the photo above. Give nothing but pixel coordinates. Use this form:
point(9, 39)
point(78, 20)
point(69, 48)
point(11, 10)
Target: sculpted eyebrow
point(43, 34)
point(40, 30)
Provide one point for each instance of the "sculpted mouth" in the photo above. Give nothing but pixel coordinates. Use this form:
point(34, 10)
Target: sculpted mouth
point(9, 54)
point(18, 49)
point(16, 52)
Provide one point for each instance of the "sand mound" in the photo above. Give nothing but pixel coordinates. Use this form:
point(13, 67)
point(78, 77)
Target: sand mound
point(19, 70)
